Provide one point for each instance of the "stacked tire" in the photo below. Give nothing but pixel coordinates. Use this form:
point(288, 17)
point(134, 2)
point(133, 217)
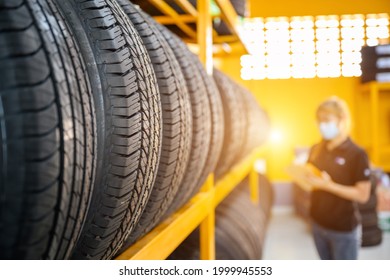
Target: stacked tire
point(246, 124)
point(108, 124)
point(240, 229)
point(371, 232)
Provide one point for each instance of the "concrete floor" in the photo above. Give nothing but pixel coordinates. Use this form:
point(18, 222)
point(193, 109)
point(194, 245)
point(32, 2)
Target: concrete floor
point(288, 238)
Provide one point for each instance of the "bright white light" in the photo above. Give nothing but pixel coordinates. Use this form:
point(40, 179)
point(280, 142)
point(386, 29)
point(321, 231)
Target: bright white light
point(352, 45)
point(351, 70)
point(351, 57)
point(282, 47)
point(372, 42)
point(352, 32)
point(276, 136)
point(327, 33)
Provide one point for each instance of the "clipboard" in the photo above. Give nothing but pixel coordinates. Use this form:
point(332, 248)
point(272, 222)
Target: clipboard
point(299, 173)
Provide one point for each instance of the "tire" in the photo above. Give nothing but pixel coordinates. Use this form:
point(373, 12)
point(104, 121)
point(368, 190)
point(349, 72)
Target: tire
point(234, 120)
point(371, 237)
point(177, 122)
point(242, 228)
point(369, 219)
point(217, 123)
point(129, 117)
point(239, 231)
point(266, 195)
point(243, 148)
point(201, 119)
point(370, 205)
point(239, 5)
point(372, 202)
point(47, 133)
point(257, 122)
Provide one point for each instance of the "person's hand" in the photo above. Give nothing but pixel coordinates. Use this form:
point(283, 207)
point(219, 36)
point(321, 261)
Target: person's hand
point(322, 183)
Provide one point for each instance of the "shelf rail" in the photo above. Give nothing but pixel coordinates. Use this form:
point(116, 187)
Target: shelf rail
point(159, 243)
point(377, 149)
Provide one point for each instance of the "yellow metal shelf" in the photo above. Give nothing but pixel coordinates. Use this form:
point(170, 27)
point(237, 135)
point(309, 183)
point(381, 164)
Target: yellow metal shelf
point(164, 239)
point(375, 148)
point(200, 15)
point(372, 86)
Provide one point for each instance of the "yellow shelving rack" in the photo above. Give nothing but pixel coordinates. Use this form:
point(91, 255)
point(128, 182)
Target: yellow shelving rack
point(163, 239)
point(376, 149)
point(200, 210)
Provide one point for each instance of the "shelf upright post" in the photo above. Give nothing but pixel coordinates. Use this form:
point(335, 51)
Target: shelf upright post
point(205, 35)
point(205, 42)
point(207, 226)
point(374, 121)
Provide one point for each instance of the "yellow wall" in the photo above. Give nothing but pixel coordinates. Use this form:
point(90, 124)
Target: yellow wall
point(291, 103)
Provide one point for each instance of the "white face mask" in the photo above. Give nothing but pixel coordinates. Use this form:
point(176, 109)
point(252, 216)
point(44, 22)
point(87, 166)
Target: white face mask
point(329, 130)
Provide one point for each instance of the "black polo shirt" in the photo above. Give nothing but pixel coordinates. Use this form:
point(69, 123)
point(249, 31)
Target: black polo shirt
point(346, 164)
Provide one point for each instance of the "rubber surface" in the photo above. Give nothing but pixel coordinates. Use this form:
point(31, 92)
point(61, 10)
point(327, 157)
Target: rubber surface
point(239, 234)
point(234, 120)
point(372, 202)
point(217, 123)
point(257, 125)
point(47, 133)
point(201, 119)
point(129, 118)
point(177, 121)
point(372, 237)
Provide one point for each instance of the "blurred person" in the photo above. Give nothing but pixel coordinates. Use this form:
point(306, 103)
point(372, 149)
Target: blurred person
point(344, 182)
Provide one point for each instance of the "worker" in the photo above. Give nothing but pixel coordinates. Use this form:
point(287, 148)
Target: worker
point(344, 182)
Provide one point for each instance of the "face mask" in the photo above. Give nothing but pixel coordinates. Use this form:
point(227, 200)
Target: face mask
point(329, 130)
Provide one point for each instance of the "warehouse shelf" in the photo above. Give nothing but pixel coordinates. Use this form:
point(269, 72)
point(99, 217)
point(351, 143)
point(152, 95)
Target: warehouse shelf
point(163, 239)
point(376, 149)
point(194, 15)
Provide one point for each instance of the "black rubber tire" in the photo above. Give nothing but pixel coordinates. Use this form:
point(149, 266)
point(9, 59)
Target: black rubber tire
point(266, 194)
point(201, 119)
point(47, 133)
point(369, 219)
point(243, 224)
point(234, 120)
point(239, 5)
point(177, 122)
point(239, 233)
point(371, 237)
point(257, 122)
point(217, 123)
point(243, 148)
point(370, 205)
point(372, 202)
point(129, 117)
